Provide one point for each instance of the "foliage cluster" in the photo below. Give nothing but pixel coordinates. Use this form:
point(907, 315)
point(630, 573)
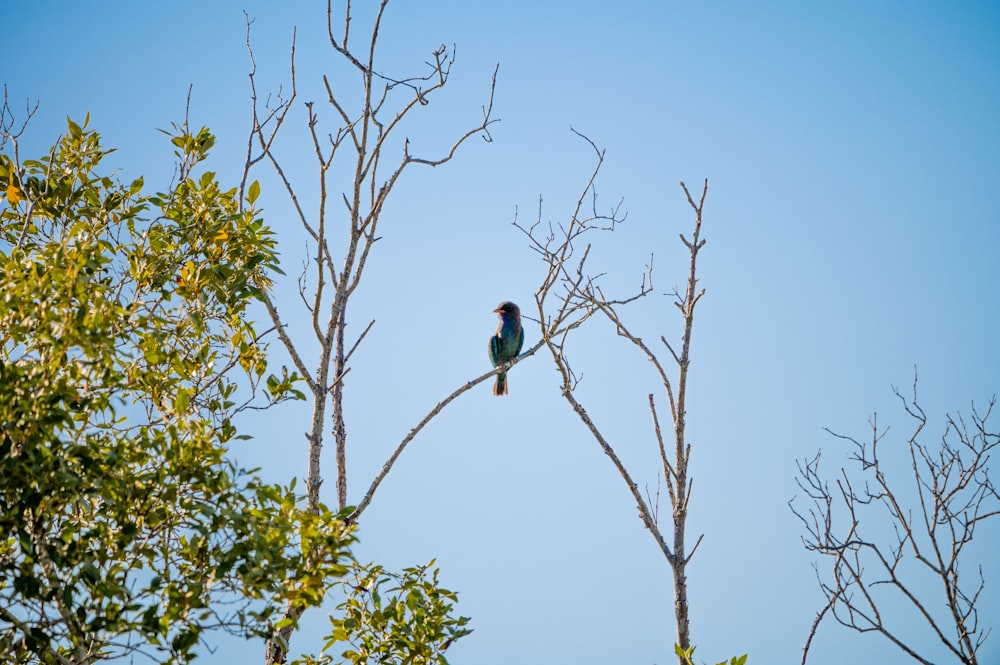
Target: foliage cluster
point(124, 527)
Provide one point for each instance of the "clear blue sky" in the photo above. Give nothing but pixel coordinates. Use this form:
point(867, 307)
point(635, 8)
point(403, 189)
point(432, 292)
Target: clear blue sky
point(853, 227)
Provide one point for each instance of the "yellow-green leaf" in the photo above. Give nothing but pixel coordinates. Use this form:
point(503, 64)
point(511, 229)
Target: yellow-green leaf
point(13, 194)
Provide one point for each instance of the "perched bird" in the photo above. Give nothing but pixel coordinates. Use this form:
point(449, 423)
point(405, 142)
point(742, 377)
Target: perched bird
point(506, 344)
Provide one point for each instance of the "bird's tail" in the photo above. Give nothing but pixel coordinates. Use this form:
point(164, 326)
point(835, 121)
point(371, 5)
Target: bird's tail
point(500, 387)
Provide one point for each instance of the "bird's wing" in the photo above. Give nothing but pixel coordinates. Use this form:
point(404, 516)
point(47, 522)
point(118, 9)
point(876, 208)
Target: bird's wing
point(520, 342)
point(495, 350)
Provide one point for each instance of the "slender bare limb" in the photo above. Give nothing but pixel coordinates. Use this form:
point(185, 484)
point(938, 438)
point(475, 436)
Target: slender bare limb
point(465, 387)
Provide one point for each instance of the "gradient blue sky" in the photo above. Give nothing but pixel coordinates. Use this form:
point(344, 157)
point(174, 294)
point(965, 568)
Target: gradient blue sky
point(853, 227)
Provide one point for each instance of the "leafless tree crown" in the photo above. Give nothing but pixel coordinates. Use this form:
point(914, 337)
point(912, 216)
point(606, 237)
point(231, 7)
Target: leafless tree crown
point(875, 575)
point(342, 224)
point(567, 297)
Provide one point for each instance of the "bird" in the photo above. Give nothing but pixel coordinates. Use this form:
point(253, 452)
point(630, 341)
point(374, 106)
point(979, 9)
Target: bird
point(506, 344)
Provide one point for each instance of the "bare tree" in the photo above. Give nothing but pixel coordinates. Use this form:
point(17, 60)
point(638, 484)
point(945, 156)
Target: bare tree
point(343, 224)
point(881, 579)
point(569, 295)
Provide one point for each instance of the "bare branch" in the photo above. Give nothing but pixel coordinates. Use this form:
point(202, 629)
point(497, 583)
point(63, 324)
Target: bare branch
point(411, 435)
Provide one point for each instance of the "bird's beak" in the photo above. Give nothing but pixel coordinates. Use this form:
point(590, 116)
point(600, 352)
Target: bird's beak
point(496, 311)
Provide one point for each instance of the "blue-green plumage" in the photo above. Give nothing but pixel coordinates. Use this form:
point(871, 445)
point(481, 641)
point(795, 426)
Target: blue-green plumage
point(506, 344)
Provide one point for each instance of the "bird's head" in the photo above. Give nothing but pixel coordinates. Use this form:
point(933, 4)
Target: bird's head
point(508, 310)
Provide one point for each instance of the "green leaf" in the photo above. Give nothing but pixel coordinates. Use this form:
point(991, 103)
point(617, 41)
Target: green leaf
point(253, 192)
point(182, 400)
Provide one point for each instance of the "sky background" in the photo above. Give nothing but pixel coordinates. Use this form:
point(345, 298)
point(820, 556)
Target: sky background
point(852, 226)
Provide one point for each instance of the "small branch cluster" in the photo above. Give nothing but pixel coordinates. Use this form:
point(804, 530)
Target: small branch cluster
point(8, 121)
point(17, 188)
point(953, 495)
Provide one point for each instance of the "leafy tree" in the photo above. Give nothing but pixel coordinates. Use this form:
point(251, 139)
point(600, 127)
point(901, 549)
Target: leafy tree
point(393, 617)
point(124, 528)
point(686, 657)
